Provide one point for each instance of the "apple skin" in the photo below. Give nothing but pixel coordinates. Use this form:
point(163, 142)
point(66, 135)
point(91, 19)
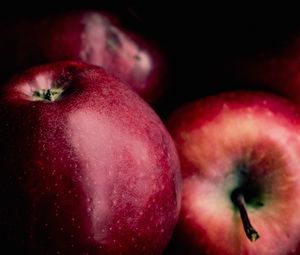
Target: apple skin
point(90, 36)
point(94, 172)
point(276, 70)
point(246, 140)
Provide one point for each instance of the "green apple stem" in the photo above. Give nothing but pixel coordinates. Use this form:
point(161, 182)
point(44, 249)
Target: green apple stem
point(239, 201)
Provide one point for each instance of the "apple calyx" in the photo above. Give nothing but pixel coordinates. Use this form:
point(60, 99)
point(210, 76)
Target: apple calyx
point(50, 95)
point(113, 41)
point(239, 201)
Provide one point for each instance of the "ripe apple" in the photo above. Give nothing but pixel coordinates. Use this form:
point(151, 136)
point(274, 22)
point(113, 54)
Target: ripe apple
point(86, 166)
point(89, 36)
point(276, 71)
point(240, 157)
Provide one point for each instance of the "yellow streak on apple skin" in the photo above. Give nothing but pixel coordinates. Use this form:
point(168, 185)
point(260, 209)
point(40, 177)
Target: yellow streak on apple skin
point(212, 150)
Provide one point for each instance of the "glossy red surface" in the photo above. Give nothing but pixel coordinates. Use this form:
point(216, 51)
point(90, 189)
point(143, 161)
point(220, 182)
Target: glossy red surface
point(94, 172)
point(239, 140)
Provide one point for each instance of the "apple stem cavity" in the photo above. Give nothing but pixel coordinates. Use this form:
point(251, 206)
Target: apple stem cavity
point(48, 95)
point(239, 200)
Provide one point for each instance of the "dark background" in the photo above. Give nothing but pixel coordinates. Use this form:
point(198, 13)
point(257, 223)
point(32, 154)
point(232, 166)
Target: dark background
point(198, 40)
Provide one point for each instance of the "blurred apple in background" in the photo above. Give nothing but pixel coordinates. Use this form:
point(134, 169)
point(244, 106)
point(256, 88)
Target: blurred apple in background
point(86, 166)
point(240, 158)
point(90, 36)
point(276, 70)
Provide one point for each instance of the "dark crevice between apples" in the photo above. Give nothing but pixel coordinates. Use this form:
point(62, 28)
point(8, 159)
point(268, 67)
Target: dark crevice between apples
point(248, 193)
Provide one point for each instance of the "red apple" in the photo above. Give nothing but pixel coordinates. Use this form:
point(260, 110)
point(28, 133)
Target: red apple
point(89, 36)
point(240, 158)
point(276, 71)
point(86, 166)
